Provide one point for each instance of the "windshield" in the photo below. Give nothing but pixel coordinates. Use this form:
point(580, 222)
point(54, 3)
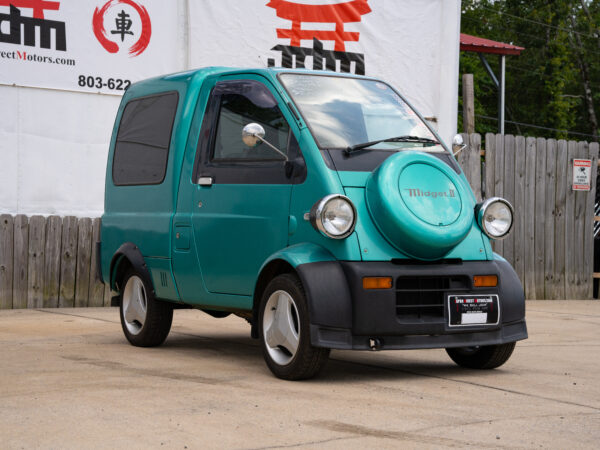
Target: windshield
point(345, 112)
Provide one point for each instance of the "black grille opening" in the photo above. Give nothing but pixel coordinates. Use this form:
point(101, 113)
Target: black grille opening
point(422, 297)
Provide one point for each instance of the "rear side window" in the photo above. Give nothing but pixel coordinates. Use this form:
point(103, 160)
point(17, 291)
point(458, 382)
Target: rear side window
point(142, 146)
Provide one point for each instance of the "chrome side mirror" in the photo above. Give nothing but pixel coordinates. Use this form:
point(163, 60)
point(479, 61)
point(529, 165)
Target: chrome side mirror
point(253, 134)
point(458, 144)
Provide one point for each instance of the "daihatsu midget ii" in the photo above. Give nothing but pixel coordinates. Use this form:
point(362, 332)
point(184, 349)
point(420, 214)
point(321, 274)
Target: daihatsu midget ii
point(318, 206)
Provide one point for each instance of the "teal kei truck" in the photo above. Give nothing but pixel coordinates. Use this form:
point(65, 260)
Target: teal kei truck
point(318, 206)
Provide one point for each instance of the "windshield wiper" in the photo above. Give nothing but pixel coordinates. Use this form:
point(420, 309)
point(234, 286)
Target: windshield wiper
point(415, 139)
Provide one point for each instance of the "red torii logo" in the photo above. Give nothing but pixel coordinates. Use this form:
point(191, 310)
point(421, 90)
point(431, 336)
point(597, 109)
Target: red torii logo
point(38, 6)
point(336, 13)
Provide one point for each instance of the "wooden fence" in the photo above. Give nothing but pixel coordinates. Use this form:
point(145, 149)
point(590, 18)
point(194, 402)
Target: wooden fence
point(551, 245)
point(49, 262)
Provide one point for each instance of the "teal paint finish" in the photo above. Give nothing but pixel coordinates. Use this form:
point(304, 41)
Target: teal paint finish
point(354, 179)
point(143, 214)
point(182, 237)
point(162, 278)
point(298, 254)
point(211, 255)
point(235, 230)
point(374, 247)
point(292, 225)
point(439, 205)
point(423, 227)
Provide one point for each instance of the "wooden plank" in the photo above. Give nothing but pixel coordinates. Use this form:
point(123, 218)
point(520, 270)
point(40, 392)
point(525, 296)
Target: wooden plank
point(518, 230)
point(540, 217)
point(583, 219)
point(96, 294)
point(20, 255)
point(560, 220)
point(588, 245)
point(84, 252)
point(475, 164)
point(548, 219)
point(528, 213)
point(6, 261)
point(571, 251)
point(52, 262)
point(490, 151)
point(508, 243)
point(68, 260)
point(499, 179)
point(597, 274)
point(35, 266)
point(107, 295)
point(463, 156)
point(468, 98)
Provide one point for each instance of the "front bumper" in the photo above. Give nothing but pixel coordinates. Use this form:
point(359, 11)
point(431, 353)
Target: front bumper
point(346, 316)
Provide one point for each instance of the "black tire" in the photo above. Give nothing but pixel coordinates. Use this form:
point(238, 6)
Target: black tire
point(307, 360)
point(485, 357)
point(158, 315)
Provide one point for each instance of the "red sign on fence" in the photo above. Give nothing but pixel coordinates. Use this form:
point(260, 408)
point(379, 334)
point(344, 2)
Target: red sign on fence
point(582, 174)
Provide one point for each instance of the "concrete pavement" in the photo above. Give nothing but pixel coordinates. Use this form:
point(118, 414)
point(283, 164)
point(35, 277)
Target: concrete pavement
point(69, 379)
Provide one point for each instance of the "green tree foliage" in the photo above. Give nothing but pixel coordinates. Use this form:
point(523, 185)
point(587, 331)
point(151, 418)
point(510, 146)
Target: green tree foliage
point(555, 82)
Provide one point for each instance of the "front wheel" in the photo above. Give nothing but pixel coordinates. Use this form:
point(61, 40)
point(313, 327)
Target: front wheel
point(284, 331)
point(146, 321)
point(484, 357)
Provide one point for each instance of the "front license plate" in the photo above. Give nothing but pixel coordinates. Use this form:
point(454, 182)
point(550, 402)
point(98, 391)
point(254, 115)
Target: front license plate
point(473, 310)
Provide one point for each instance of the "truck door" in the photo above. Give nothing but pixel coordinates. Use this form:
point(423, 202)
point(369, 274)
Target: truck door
point(240, 203)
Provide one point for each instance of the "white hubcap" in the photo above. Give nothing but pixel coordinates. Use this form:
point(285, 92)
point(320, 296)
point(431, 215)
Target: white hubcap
point(134, 304)
point(281, 327)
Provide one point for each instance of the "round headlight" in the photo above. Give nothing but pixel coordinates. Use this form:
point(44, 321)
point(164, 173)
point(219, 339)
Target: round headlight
point(334, 216)
point(495, 217)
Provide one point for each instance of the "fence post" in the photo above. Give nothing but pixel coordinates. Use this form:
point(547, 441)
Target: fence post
point(20, 253)
point(6, 261)
point(550, 217)
point(519, 205)
point(52, 264)
point(35, 265)
point(68, 262)
point(540, 218)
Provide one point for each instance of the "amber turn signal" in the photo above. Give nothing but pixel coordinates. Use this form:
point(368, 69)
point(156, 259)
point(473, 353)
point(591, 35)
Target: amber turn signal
point(485, 280)
point(377, 282)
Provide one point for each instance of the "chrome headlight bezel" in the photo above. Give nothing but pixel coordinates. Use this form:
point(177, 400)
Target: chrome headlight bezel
point(481, 210)
point(319, 208)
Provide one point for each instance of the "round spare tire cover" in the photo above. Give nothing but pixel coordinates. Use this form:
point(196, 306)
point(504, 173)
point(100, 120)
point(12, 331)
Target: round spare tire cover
point(420, 205)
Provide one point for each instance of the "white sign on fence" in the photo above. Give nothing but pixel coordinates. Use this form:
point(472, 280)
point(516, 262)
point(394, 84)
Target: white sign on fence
point(86, 45)
point(582, 174)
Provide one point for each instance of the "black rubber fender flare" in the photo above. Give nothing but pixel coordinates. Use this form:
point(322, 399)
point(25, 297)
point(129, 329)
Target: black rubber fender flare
point(130, 252)
point(328, 294)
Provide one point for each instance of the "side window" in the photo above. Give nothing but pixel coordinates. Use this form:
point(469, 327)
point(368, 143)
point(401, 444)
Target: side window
point(242, 103)
point(142, 146)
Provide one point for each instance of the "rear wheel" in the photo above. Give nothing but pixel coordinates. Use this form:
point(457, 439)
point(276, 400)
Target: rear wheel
point(484, 357)
point(284, 331)
point(146, 321)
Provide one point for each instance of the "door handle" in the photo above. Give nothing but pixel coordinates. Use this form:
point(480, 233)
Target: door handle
point(205, 181)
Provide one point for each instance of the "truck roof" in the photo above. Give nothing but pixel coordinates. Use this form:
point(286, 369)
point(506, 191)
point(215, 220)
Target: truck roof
point(190, 76)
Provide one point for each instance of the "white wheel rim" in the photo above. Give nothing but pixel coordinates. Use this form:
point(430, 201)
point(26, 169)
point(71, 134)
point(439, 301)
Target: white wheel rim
point(281, 327)
point(135, 305)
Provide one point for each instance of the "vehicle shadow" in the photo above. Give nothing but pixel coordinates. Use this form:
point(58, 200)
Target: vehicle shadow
point(343, 366)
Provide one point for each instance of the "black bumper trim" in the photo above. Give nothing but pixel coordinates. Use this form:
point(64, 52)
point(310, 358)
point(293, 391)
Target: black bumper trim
point(343, 339)
point(344, 315)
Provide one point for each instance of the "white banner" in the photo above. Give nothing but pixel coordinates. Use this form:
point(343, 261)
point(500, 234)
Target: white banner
point(86, 45)
point(412, 44)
